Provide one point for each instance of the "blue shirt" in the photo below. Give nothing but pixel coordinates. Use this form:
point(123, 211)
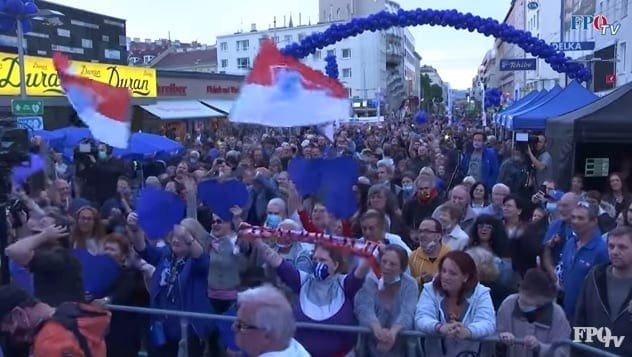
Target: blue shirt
point(575, 265)
point(562, 230)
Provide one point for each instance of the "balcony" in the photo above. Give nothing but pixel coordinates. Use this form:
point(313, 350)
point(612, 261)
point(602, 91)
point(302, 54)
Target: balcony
point(394, 58)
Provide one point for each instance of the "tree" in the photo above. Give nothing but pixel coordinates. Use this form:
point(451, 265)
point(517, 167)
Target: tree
point(431, 93)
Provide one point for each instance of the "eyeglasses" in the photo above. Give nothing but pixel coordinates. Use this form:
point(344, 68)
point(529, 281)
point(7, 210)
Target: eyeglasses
point(242, 326)
point(584, 204)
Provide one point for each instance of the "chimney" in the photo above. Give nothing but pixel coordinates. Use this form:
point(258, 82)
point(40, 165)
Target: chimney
point(291, 24)
point(274, 23)
point(299, 19)
point(253, 27)
point(284, 24)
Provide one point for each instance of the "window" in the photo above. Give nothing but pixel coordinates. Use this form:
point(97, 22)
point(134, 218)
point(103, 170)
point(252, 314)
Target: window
point(224, 63)
point(63, 32)
point(621, 65)
point(624, 9)
point(37, 34)
point(316, 55)
point(112, 54)
point(122, 41)
point(67, 49)
point(243, 63)
point(86, 43)
point(287, 38)
point(148, 58)
point(84, 24)
point(331, 52)
point(346, 73)
point(41, 53)
point(243, 45)
point(301, 36)
point(223, 46)
point(275, 39)
point(346, 53)
point(105, 38)
point(114, 23)
point(262, 40)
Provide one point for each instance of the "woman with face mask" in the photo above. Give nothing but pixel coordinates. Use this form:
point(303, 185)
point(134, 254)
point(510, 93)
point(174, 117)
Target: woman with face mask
point(388, 305)
point(533, 315)
point(324, 296)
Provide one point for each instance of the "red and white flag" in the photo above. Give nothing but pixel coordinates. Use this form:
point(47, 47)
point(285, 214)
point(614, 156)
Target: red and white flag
point(282, 92)
point(105, 109)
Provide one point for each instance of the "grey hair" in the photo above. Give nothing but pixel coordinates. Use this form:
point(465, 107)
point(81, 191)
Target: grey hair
point(273, 312)
point(288, 222)
point(386, 164)
point(501, 185)
point(278, 202)
point(485, 261)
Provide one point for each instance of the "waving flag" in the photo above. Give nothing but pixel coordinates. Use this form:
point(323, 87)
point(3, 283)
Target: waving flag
point(103, 108)
point(282, 92)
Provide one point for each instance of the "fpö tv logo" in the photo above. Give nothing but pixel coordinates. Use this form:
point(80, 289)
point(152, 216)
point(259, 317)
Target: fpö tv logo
point(599, 23)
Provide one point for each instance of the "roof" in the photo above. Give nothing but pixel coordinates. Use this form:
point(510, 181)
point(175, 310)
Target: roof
point(188, 58)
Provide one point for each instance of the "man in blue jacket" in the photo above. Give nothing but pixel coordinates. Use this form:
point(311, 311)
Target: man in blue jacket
point(481, 163)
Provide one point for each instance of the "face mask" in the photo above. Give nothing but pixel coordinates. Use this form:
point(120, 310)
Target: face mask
point(193, 161)
point(528, 309)
point(273, 220)
point(550, 207)
point(383, 282)
point(102, 155)
point(477, 145)
point(407, 188)
point(430, 247)
point(283, 245)
point(321, 271)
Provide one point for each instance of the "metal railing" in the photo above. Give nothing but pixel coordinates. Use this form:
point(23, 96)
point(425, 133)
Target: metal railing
point(359, 330)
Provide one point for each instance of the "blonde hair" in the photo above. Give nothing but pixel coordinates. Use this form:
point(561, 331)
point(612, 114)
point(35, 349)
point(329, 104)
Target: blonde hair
point(485, 263)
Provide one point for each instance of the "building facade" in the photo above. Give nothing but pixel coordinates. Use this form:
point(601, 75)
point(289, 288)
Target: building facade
point(83, 35)
point(371, 65)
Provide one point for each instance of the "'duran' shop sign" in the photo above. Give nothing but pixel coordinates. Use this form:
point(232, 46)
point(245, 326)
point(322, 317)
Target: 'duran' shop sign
point(42, 79)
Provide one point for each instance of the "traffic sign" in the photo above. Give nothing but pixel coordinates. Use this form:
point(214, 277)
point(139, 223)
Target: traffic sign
point(31, 123)
point(27, 107)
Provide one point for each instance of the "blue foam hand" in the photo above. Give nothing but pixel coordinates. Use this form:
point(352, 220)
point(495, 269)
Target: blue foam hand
point(221, 196)
point(99, 272)
point(158, 211)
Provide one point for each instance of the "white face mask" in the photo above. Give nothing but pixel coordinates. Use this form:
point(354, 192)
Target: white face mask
point(382, 283)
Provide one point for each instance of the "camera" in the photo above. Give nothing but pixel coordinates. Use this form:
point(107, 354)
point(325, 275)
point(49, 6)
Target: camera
point(524, 140)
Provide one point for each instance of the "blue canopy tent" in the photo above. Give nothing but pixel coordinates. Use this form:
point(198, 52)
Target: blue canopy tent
point(554, 92)
point(505, 115)
point(526, 99)
point(573, 97)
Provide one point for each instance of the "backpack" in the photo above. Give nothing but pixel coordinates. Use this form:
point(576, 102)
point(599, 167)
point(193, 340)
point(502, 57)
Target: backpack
point(84, 320)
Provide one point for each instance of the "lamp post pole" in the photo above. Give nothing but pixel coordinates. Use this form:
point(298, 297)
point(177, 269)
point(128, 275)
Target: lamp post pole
point(21, 64)
point(483, 113)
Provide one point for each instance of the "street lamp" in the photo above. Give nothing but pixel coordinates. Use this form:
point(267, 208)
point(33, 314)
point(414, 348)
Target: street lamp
point(51, 16)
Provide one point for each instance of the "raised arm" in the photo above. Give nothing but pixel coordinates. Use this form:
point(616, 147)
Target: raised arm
point(22, 251)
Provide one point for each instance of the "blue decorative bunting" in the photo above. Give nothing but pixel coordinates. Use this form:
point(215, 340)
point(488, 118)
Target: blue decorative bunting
point(221, 196)
point(17, 10)
point(487, 26)
point(158, 211)
point(99, 272)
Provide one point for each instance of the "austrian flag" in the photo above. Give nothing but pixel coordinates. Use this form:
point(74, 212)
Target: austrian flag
point(103, 108)
point(282, 92)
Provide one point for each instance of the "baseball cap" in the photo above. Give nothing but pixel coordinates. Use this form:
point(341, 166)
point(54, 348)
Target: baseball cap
point(11, 296)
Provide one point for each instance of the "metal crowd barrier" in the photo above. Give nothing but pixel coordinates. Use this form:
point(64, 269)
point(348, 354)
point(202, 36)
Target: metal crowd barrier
point(359, 330)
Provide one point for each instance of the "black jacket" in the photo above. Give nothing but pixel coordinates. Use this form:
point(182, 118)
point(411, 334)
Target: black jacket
point(593, 311)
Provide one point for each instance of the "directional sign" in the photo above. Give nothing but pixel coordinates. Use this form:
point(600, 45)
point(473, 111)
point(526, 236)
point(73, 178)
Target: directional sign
point(518, 64)
point(27, 107)
point(31, 123)
point(573, 46)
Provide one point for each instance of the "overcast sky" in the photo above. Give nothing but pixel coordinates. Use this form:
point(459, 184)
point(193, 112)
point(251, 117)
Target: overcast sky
point(455, 53)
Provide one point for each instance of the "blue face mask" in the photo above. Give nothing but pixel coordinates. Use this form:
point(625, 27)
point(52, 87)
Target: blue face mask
point(102, 155)
point(321, 271)
point(273, 220)
point(551, 206)
point(528, 309)
point(407, 188)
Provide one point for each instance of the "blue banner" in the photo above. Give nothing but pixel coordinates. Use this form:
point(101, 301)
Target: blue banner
point(518, 64)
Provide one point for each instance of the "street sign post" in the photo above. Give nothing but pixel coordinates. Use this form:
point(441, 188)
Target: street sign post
point(27, 107)
point(518, 64)
point(31, 123)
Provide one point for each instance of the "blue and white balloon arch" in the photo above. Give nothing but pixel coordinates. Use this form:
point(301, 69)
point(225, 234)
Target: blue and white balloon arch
point(453, 18)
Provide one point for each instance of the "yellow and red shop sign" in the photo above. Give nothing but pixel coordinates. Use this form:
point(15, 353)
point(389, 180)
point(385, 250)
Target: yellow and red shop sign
point(42, 80)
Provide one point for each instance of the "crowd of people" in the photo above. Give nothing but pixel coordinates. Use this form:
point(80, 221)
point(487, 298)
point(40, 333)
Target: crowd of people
point(476, 240)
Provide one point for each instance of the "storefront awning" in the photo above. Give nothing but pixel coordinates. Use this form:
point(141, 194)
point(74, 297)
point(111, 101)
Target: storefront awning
point(181, 109)
point(222, 105)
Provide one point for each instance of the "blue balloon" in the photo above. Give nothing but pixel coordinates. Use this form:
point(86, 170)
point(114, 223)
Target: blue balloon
point(14, 7)
point(6, 24)
point(420, 118)
point(30, 8)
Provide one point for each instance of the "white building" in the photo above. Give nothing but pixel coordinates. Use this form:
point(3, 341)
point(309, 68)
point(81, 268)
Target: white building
point(371, 63)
